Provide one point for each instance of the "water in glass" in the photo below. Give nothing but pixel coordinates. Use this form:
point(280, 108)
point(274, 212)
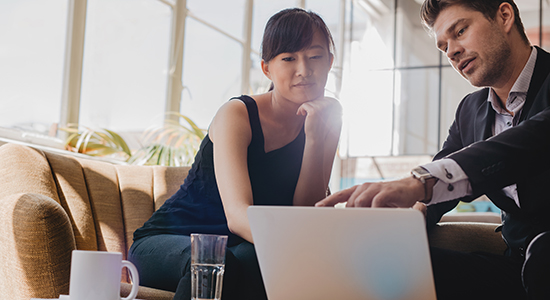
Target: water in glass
point(206, 281)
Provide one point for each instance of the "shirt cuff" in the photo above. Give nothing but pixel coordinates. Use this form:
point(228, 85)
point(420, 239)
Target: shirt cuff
point(453, 183)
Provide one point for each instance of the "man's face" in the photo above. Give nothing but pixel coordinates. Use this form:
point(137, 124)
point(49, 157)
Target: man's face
point(475, 46)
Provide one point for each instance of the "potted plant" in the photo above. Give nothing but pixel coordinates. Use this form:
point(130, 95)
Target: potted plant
point(100, 142)
point(170, 144)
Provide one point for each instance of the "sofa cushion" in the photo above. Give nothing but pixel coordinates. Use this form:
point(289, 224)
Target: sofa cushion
point(136, 192)
point(103, 191)
point(73, 196)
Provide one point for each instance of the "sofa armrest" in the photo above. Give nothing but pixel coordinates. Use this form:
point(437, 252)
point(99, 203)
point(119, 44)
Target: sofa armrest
point(36, 242)
point(467, 237)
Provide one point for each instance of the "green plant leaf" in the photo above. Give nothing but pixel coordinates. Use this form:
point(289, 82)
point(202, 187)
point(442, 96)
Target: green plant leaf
point(171, 144)
point(92, 142)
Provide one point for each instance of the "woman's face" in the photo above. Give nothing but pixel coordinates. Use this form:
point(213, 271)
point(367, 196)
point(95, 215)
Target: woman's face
point(301, 76)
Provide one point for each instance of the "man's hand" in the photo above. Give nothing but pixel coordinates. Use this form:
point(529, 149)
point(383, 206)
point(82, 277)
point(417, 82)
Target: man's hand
point(421, 207)
point(399, 193)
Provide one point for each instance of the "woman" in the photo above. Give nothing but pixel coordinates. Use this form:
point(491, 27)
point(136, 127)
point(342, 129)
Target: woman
point(275, 148)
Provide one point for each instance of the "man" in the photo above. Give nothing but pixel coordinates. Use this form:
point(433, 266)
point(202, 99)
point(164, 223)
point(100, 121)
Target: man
point(485, 42)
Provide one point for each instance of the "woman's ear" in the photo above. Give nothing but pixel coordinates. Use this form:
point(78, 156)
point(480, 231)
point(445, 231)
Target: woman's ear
point(265, 69)
point(331, 59)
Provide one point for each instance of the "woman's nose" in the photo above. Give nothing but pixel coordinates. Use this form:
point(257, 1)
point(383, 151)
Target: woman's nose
point(304, 69)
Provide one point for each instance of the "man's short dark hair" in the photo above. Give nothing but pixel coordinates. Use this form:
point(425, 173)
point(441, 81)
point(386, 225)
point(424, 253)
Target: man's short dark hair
point(432, 8)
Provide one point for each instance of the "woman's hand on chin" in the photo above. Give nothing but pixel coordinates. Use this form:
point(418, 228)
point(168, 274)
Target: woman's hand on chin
point(323, 115)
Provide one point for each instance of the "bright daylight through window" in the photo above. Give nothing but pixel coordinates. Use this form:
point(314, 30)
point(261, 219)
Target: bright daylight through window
point(143, 58)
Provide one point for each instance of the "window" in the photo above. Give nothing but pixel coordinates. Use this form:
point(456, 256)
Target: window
point(396, 81)
point(126, 52)
point(31, 55)
point(212, 62)
point(399, 93)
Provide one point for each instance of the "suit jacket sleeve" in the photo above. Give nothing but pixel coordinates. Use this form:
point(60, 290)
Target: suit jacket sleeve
point(516, 154)
point(453, 143)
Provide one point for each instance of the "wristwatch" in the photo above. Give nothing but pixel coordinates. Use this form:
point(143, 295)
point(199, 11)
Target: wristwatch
point(423, 175)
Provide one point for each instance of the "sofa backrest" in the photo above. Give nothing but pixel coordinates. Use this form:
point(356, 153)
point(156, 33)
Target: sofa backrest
point(105, 202)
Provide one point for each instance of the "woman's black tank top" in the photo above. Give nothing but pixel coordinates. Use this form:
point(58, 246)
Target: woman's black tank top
point(197, 208)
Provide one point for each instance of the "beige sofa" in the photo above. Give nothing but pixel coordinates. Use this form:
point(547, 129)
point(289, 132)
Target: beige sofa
point(51, 204)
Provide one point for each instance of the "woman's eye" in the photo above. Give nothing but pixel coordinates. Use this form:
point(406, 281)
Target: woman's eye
point(288, 58)
point(317, 57)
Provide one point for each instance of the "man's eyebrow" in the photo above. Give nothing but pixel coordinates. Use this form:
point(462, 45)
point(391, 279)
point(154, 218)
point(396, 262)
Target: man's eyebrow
point(456, 23)
point(451, 29)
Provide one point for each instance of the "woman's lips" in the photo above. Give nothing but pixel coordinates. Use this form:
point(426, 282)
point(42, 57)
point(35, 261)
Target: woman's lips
point(304, 84)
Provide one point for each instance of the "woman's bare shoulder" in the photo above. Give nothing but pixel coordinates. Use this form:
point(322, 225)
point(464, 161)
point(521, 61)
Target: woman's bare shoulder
point(231, 116)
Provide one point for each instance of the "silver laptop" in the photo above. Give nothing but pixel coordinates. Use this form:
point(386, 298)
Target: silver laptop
point(342, 253)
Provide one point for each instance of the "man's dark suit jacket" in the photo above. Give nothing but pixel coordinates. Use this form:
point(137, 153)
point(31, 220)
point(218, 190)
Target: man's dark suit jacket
point(520, 155)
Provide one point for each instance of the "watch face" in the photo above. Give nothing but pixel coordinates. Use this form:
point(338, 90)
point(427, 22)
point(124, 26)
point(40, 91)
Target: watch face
point(420, 171)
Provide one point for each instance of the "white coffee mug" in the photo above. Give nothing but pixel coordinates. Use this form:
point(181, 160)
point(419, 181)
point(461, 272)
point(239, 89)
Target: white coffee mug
point(95, 275)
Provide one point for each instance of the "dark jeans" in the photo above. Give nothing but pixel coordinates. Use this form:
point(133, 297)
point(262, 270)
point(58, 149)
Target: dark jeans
point(164, 261)
point(472, 276)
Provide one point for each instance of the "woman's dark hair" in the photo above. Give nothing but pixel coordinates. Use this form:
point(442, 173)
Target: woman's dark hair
point(292, 30)
point(432, 8)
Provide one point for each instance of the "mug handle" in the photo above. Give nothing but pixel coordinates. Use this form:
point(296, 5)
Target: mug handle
point(135, 279)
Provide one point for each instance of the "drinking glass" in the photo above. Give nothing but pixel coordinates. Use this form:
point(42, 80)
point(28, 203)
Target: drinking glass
point(207, 265)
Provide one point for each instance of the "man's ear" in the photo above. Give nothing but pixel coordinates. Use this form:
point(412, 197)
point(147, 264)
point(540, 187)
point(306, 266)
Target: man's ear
point(265, 69)
point(506, 17)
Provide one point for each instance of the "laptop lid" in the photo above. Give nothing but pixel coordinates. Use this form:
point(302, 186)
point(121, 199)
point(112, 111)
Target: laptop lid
point(337, 253)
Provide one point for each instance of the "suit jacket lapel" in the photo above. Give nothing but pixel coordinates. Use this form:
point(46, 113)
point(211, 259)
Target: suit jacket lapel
point(483, 130)
point(485, 117)
point(540, 73)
